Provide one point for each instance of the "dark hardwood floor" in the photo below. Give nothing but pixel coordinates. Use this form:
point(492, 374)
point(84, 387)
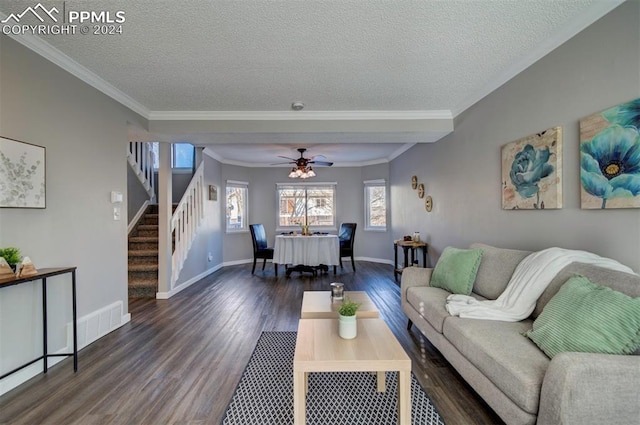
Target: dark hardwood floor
point(178, 361)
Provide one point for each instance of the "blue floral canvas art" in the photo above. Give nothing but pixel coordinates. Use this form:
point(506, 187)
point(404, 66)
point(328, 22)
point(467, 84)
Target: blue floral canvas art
point(610, 157)
point(532, 172)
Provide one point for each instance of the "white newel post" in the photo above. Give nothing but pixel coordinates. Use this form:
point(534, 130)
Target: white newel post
point(164, 218)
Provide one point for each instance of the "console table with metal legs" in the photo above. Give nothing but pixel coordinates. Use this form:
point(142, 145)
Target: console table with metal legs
point(406, 247)
point(42, 275)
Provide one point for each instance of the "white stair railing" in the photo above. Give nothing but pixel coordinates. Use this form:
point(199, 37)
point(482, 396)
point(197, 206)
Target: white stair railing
point(185, 222)
point(140, 158)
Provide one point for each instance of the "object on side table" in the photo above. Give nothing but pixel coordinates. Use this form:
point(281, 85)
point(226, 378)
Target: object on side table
point(337, 291)
point(26, 268)
point(347, 325)
point(12, 256)
point(5, 270)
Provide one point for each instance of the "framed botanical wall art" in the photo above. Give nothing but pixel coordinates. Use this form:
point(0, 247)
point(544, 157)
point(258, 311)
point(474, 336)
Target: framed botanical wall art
point(610, 158)
point(22, 174)
point(532, 171)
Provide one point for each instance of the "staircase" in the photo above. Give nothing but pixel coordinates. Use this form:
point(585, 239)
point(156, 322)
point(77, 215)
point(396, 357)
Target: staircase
point(185, 221)
point(143, 255)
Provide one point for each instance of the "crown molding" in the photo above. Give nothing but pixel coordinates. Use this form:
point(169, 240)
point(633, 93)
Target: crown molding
point(298, 115)
point(591, 15)
point(54, 55)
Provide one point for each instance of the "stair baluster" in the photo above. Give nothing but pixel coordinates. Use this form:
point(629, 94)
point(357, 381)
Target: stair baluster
point(185, 222)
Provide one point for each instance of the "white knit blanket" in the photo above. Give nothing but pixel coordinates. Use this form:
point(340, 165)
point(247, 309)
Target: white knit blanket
point(529, 280)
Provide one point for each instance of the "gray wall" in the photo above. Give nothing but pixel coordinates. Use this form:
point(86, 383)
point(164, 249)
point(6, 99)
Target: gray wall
point(597, 69)
point(262, 206)
point(85, 136)
point(209, 239)
point(179, 182)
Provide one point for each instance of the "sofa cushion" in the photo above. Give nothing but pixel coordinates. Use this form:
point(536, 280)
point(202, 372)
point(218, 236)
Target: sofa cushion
point(618, 281)
point(498, 349)
point(456, 270)
point(496, 269)
point(589, 318)
point(429, 302)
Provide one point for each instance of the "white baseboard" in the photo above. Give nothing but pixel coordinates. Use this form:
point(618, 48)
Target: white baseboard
point(238, 262)
point(135, 219)
point(374, 260)
point(91, 327)
point(186, 284)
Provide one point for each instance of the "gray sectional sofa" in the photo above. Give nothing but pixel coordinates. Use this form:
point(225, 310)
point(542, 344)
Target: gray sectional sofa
point(520, 383)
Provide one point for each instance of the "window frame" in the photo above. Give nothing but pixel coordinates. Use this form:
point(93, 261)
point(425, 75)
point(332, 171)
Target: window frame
point(176, 170)
point(245, 222)
point(305, 185)
point(368, 185)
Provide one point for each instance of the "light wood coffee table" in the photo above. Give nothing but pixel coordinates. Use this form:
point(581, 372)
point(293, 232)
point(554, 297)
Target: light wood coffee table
point(375, 349)
point(318, 305)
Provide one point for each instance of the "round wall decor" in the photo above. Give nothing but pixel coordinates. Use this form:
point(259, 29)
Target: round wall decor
point(420, 190)
point(428, 203)
point(414, 182)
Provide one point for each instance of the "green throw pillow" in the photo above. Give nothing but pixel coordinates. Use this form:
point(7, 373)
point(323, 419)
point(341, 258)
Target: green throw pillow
point(590, 318)
point(456, 270)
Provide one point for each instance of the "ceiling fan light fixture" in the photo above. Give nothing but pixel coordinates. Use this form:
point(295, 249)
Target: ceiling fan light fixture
point(292, 174)
point(310, 172)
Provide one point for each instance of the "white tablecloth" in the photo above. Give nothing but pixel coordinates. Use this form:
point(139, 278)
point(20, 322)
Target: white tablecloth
point(307, 250)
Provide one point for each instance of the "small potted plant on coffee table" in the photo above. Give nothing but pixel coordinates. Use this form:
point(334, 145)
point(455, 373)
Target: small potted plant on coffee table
point(347, 326)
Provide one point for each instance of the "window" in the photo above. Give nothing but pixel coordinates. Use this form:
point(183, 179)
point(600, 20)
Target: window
point(181, 155)
point(237, 200)
point(375, 205)
point(313, 203)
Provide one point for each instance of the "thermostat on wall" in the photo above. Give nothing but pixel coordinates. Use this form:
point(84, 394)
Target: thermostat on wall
point(116, 197)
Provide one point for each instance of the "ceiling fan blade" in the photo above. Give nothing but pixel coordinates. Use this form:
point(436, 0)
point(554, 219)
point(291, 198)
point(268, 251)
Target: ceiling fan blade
point(286, 157)
point(326, 164)
point(280, 163)
point(317, 156)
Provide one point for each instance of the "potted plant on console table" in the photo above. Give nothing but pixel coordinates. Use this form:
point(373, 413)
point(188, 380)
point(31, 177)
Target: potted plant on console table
point(12, 256)
point(347, 326)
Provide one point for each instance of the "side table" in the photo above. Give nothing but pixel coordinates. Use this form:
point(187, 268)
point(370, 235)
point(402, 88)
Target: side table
point(42, 275)
point(406, 247)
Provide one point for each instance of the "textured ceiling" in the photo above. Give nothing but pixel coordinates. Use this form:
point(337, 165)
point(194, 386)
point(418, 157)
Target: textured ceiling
point(339, 55)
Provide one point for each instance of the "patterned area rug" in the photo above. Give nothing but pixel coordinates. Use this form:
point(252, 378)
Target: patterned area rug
point(265, 393)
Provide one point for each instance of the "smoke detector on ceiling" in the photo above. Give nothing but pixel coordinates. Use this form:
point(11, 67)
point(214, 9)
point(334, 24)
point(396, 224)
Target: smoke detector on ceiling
point(297, 106)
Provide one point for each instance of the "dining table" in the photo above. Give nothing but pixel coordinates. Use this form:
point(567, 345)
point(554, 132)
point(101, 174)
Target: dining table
point(306, 253)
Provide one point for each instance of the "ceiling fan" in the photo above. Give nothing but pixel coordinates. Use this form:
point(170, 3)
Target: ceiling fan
point(302, 166)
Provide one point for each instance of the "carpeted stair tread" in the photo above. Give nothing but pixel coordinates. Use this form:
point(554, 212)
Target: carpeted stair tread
point(145, 267)
point(143, 253)
point(143, 239)
point(144, 281)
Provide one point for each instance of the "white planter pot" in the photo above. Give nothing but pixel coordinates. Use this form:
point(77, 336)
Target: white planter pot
point(347, 327)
